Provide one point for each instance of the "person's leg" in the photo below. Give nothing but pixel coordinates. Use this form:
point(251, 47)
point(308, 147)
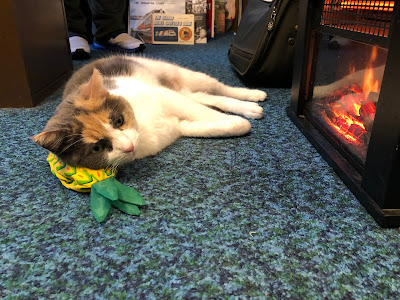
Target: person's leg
point(111, 26)
point(79, 27)
point(108, 17)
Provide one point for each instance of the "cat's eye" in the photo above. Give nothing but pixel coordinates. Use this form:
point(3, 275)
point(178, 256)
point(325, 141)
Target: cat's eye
point(97, 149)
point(119, 122)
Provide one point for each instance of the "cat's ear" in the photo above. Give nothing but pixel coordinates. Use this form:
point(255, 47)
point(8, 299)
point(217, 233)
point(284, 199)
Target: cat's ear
point(51, 140)
point(94, 88)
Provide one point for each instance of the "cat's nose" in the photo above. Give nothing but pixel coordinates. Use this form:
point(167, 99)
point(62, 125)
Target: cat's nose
point(129, 148)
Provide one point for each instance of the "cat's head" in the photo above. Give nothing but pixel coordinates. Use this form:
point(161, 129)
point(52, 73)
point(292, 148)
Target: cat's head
point(91, 128)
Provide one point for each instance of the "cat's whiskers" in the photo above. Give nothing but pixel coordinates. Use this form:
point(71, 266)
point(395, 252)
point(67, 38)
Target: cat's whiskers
point(60, 139)
point(114, 166)
point(69, 146)
point(139, 132)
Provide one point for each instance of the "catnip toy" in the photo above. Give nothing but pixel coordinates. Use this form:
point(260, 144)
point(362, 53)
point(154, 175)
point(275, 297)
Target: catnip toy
point(105, 190)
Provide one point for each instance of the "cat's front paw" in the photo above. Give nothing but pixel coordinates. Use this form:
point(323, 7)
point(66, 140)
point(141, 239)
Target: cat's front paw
point(257, 95)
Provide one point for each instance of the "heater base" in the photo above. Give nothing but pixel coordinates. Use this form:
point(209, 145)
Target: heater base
point(384, 217)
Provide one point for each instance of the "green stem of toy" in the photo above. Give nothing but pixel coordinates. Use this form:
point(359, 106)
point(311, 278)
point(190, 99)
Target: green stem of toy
point(110, 192)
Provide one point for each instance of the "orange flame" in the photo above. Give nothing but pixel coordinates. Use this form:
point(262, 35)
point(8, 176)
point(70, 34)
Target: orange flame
point(370, 84)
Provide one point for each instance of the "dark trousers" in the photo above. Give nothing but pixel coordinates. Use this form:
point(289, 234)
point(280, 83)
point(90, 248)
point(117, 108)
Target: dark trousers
point(109, 18)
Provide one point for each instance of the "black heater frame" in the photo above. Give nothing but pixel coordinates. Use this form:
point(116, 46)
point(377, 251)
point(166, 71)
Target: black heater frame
point(376, 184)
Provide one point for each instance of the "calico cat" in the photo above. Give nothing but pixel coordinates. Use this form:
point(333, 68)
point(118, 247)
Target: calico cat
point(121, 108)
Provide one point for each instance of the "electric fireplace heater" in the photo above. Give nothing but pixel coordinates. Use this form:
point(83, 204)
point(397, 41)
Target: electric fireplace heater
point(346, 96)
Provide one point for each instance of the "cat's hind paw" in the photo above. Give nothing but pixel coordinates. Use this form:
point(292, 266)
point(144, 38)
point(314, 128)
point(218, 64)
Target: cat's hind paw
point(253, 111)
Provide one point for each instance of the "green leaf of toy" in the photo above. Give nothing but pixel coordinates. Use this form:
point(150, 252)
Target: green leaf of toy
point(128, 208)
point(129, 194)
point(100, 205)
point(107, 188)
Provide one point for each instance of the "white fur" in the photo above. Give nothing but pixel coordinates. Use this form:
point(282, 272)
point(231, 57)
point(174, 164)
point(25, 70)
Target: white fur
point(164, 115)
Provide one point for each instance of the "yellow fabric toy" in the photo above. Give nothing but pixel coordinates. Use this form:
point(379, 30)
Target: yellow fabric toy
point(77, 178)
point(105, 190)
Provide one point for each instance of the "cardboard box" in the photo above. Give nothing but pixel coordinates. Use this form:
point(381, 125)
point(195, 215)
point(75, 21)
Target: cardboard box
point(173, 29)
point(141, 12)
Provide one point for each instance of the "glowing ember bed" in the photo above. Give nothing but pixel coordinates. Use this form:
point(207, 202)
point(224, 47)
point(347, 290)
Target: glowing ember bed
point(346, 96)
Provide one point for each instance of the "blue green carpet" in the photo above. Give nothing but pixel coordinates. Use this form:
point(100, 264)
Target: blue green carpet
point(257, 217)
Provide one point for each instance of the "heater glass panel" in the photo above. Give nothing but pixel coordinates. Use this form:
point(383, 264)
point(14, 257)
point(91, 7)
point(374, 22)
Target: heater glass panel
point(347, 77)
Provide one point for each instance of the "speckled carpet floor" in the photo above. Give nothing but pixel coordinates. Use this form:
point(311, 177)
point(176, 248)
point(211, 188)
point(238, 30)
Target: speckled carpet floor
point(260, 216)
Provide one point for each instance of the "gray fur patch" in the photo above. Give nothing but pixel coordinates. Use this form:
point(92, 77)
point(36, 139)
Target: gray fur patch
point(110, 83)
point(169, 82)
point(108, 67)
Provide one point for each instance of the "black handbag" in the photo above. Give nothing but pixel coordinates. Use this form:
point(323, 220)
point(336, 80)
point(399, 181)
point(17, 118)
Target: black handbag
point(262, 51)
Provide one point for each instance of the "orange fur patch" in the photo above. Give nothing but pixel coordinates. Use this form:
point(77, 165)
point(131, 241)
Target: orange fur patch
point(93, 126)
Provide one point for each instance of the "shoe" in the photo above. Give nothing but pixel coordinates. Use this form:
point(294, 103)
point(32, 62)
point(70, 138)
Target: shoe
point(79, 48)
point(123, 43)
